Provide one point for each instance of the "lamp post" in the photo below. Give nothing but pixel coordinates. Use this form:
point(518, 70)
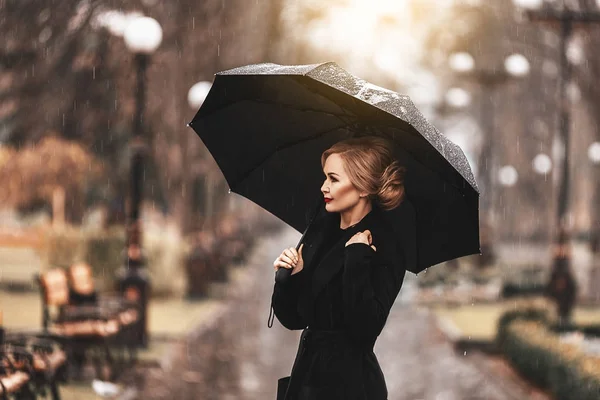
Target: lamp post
point(142, 37)
point(196, 96)
point(567, 19)
point(515, 66)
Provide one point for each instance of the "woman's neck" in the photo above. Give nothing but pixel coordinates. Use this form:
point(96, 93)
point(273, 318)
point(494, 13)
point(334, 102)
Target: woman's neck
point(355, 214)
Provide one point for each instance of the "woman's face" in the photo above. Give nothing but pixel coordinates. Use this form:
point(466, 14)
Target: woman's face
point(337, 186)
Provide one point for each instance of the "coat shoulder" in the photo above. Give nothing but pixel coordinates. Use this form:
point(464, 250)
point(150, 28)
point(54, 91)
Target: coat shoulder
point(381, 227)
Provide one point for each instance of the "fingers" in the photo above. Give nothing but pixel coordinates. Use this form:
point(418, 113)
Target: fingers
point(281, 264)
point(362, 237)
point(367, 234)
point(288, 259)
point(292, 254)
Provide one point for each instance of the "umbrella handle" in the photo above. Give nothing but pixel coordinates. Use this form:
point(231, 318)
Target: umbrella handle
point(283, 274)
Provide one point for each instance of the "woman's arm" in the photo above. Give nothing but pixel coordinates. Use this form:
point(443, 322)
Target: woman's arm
point(370, 287)
point(285, 302)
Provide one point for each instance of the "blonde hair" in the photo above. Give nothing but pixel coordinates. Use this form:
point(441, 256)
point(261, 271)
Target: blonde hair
point(372, 168)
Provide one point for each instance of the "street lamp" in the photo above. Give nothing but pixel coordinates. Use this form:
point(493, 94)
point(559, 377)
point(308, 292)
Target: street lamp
point(508, 176)
point(594, 152)
point(515, 66)
point(542, 164)
point(458, 98)
point(142, 37)
point(197, 94)
point(461, 62)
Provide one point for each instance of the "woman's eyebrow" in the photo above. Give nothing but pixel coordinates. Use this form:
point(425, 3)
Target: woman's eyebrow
point(332, 173)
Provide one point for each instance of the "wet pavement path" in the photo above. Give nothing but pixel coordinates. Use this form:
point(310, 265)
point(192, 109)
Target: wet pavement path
point(243, 358)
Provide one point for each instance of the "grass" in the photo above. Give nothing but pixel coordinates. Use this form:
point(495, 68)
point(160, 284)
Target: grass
point(586, 316)
point(476, 321)
point(479, 321)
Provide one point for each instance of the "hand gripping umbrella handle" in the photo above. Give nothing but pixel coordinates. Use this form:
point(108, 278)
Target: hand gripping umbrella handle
point(283, 274)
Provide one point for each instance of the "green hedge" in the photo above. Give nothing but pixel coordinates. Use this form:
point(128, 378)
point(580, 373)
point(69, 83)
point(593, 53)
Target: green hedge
point(561, 368)
point(526, 338)
point(539, 310)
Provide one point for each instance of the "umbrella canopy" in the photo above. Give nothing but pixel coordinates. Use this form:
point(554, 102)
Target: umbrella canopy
point(266, 126)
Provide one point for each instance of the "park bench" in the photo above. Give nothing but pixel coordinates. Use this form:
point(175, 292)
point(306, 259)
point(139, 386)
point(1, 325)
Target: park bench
point(84, 300)
point(14, 378)
point(31, 365)
point(35, 365)
point(73, 314)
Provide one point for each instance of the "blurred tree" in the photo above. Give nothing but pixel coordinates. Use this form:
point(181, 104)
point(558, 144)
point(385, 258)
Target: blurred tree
point(61, 69)
point(54, 172)
point(524, 112)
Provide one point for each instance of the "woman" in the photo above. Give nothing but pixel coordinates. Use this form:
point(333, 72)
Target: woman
point(343, 284)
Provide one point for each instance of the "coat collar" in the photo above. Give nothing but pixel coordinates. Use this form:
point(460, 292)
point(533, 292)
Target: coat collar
point(333, 260)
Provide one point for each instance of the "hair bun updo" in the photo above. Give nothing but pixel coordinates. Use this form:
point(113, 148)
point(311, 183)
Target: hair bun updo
point(371, 166)
point(391, 186)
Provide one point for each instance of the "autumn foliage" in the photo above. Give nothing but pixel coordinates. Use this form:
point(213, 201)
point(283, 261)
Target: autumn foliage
point(35, 174)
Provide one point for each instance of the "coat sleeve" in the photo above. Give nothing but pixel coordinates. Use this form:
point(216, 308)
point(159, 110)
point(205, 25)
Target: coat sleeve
point(285, 302)
point(371, 284)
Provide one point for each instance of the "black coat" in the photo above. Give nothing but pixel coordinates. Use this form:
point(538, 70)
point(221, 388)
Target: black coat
point(344, 302)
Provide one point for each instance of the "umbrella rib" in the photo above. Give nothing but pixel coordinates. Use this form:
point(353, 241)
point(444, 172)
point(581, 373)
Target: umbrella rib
point(289, 144)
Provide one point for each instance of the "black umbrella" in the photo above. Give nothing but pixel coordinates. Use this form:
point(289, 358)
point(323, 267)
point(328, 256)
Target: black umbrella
point(266, 126)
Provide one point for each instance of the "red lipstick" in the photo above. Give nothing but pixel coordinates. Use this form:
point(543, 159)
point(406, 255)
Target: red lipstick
point(328, 200)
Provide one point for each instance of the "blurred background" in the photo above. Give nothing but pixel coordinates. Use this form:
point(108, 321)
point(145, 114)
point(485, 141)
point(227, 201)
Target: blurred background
point(97, 166)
